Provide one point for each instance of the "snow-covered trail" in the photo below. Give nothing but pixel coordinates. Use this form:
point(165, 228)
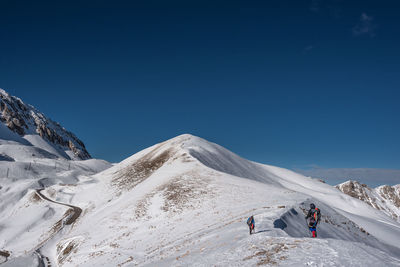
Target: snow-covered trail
point(68, 220)
point(76, 210)
point(29, 216)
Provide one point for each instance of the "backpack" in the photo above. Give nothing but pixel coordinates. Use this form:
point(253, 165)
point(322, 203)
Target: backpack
point(249, 220)
point(316, 216)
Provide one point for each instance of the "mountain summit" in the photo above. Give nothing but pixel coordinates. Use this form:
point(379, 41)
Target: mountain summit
point(26, 125)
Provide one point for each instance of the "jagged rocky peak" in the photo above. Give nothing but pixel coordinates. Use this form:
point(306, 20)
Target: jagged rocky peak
point(24, 119)
point(385, 198)
point(390, 193)
point(353, 188)
point(357, 190)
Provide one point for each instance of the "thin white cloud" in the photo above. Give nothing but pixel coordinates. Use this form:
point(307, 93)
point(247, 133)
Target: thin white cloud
point(365, 26)
point(308, 49)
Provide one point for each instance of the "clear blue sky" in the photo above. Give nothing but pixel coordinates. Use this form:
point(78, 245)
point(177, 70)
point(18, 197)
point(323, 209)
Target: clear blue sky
point(288, 83)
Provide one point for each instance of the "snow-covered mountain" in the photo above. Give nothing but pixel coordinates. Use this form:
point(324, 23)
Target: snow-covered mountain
point(184, 202)
point(35, 153)
point(35, 134)
point(384, 198)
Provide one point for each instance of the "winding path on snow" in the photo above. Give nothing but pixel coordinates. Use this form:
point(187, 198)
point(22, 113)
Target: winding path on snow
point(75, 215)
point(45, 261)
point(77, 210)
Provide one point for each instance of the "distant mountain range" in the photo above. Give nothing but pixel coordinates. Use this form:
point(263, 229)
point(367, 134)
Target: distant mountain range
point(370, 176)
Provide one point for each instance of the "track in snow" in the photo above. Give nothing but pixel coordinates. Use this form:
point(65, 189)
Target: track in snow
point(77, 210)
point(45, 261)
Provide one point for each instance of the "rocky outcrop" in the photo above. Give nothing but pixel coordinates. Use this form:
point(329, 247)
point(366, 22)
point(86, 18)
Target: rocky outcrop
point(384, 198)
point(24, 119)
point(390, 193)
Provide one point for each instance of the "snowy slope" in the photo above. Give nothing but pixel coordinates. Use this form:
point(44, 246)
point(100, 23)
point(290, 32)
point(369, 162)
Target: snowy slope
point(25, 219)
point(185, 202)
point(384, 198)
point(25, 125)
point(35, 153)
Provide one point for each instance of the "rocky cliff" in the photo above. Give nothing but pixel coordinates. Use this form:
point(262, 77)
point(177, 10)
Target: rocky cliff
point(384, 198)
point(24, 119)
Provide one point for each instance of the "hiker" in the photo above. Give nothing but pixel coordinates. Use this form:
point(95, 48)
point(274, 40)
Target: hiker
point(315, 216)
point(251, 224)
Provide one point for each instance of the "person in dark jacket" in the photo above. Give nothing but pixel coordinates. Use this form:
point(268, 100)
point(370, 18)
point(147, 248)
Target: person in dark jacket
point(314, 216)
point(251, 223)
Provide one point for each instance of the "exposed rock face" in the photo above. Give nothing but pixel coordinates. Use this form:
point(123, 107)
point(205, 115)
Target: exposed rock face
point(24, 119)
point(390, 193)
point(385, 198)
